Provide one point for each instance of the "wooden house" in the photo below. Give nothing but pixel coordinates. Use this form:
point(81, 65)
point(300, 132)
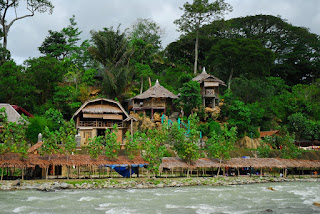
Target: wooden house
point(209, 85)
point(155, 99)
point(95, 116)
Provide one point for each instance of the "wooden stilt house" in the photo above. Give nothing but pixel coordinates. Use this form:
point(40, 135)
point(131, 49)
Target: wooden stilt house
point(155, 99)
point(95, 116)
point(209, 85)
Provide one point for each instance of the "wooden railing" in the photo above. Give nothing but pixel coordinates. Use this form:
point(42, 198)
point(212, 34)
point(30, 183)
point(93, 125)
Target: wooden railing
point(102, 124)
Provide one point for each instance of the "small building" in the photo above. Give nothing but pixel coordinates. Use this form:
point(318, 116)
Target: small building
point(95, 116)
point(12, 114)
point(209, 85)
point(155, 99)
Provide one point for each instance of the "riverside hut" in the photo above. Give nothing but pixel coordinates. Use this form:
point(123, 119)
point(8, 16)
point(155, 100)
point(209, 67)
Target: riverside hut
point(209, 85)
point(95, 116)
point(155, 99)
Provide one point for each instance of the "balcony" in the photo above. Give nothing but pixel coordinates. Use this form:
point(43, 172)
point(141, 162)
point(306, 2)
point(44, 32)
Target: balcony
point(208, 93)
point(99, 124)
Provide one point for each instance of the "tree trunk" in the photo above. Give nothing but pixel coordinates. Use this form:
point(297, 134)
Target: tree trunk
point(5, 36)
point(22, 173)
point(230, 79)
point(1, 173)
point(47, 168)
point(141, 88)
point(196, 46)
point(219, 168)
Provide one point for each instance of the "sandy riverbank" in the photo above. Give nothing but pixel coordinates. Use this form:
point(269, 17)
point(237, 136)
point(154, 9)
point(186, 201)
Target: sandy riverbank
point(140, 183)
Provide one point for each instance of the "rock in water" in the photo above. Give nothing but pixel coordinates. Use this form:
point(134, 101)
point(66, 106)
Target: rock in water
point(269, 210)
point(316, 204)
point(270, 188)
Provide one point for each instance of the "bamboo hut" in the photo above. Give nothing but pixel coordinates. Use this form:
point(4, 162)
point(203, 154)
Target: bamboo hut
point(95, 116)
point(209, 86)
point(155, 99)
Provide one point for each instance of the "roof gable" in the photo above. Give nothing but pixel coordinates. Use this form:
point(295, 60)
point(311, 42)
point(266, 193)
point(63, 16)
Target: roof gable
point(156, 91)
point(204, 76)
point(115, 107)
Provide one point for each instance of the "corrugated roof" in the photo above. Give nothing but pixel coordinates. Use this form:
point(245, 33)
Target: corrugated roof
point(156, 91)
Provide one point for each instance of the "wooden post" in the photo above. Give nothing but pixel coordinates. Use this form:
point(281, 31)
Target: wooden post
point(22, 173)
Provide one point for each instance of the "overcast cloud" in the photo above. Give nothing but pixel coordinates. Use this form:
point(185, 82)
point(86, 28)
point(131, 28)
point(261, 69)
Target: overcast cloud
point(26, 35)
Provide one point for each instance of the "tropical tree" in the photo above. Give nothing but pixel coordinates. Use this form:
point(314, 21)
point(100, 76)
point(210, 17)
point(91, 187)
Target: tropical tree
point(31, 7)
point(220, 145)
point(235, 57)
point(111, 145)
point(190, 96)
point(132, 144)
point(96, 146)
point(152, 149)
point(110, 47)
point(197, 14)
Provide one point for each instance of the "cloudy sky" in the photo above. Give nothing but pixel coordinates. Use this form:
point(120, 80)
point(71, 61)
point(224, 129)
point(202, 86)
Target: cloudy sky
point(26, 35)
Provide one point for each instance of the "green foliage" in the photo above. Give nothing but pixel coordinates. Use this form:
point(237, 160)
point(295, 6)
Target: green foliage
point(95, 146)
point(264, 149)
point(110, 47)
point(13, 135)
point(132, 144)
point(55, 117)
point(153, 148)
point(201, 12)
point(111, 145)
point(220, 145)
point(185, 142)
point(67, 132)
point(211, 127)
point(288, 149)
point(36, 125)
point(190, 97)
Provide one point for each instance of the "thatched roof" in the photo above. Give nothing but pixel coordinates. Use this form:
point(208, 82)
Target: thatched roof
point(15, 160)
point(268, 133)
point(35, 147)
point(95, 106)
point(156, 91)
point(13, 115)
point(204, 76)
point(172, 162)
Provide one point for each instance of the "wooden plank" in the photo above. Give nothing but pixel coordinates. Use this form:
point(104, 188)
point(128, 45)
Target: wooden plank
point(93, 115)
point(112, 117)
point(211, 84)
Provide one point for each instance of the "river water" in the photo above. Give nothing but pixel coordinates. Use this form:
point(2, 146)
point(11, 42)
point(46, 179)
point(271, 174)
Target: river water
point(291, 197)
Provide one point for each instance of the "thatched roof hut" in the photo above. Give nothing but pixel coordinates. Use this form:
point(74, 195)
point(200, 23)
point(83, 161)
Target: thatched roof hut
point(156, 91)
point(15, 160)
point(172, 162)
point(105, 106)
point(204, 76)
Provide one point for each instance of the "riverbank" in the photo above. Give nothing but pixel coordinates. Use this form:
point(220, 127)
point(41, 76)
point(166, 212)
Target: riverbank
point(141, 183)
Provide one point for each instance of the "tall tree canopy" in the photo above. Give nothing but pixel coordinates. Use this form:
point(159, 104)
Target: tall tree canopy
point(197, 14)
point(32, 6)
point(296, 50)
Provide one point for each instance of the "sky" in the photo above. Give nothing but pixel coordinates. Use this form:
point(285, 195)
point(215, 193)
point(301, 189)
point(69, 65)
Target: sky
point(26, 35)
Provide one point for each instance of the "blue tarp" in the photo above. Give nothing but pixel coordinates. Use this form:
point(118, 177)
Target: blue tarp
point(124, 170)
